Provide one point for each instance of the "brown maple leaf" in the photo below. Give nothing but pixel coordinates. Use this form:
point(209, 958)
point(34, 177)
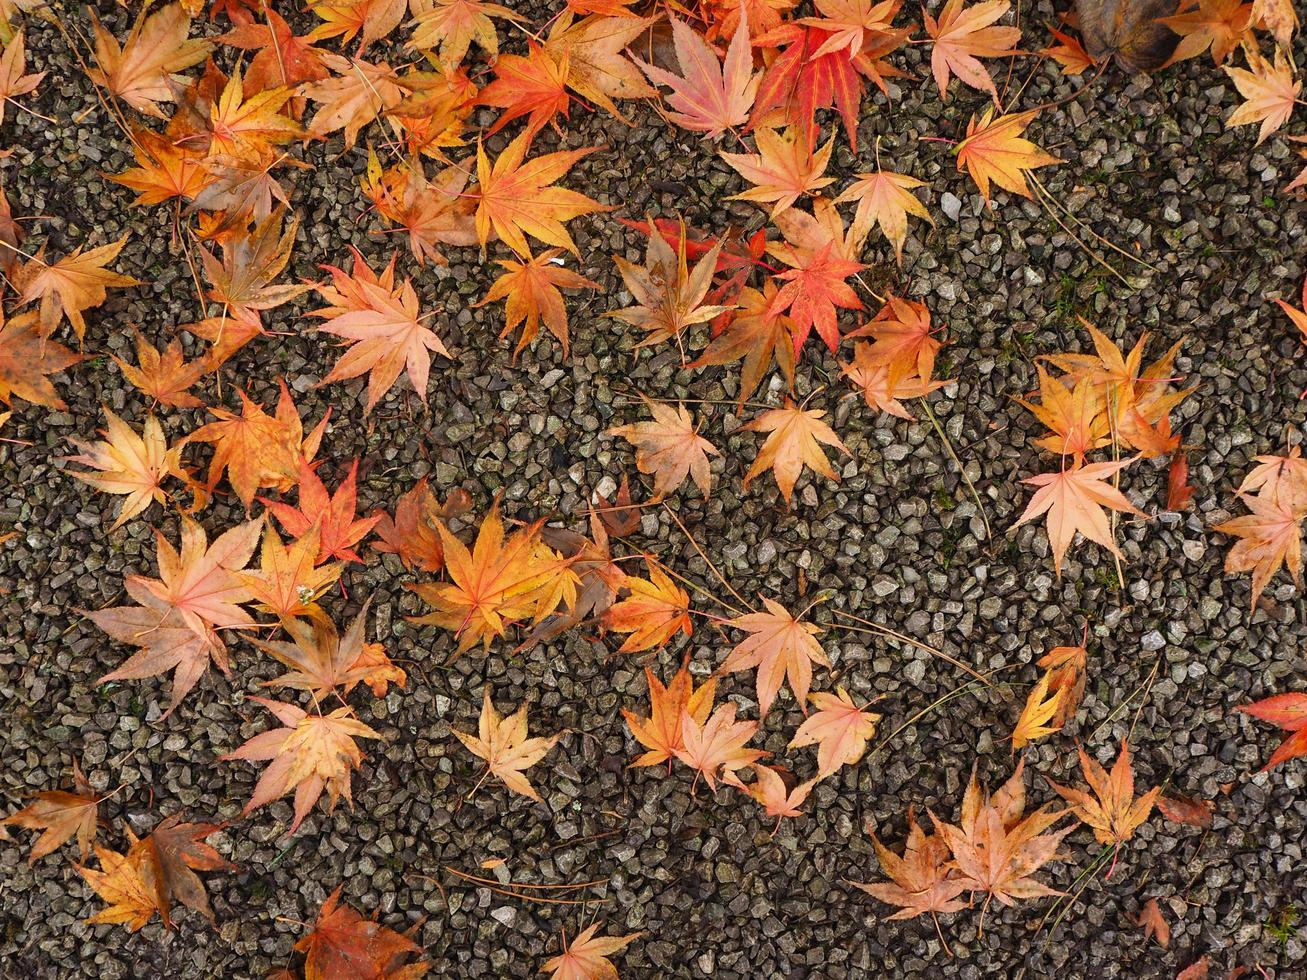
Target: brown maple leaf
point(309, 754)
point(587, 956)
point(922, 881)
point(1154, 924)
point(1110, 808)
point(780, 647)
point(504, 579)
point(660, 733)
point(670, 448)
point(1073, 500)
point(321, 660)
point(515, 197)
point(333, 515)
point(669, 297)
point(281, 59)
point(997, 848)
point(75, 283)
point(1186, 810)
point(717, 746)
point(257, 449)
point(839, 728)
point(243, 281)
point(433, 212)
point(710, 96)
point(411, 533)
point(59, 814)
point(27, 359)
point(655, 610)
point(530, 290)
point(795, 440)
point(758, 334)
point(597, 70)
point(503, 744)
point(601, 579)
point(343, 944)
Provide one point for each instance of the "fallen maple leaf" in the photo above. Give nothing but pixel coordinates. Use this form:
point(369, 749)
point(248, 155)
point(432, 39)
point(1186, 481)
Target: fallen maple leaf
point(995, 150)
point(660, 733)
point(120, 882)
point(771, 793)
point(75, 283)
point(531, 291)
point(922, 881)
point(600, 577)
point(332, 514)
point(411, 533)
point(372, 20)
point(139, 71)
point(1037, 717)
point(281, 58)
point(14, 80)
point(321, 660)
point(1269, 90)
point(1154, 924)
point(1066, 675)
point(1268, 539)
point(781, 647)
point(670, 448)
point(502, 580)
point(534, 86)
point(1077, 417)
point(655, 611)
point(257, 449)
point(343, 944)
point(586, 956)
point(1279, 478)
point(1109, 809)
point(717, 745)
point(503, 745)
point(596, 68)
point(1191, 812)
point(356, 93)
point(243, 280)
point(872, 379)
point(784, 169)
point(448, 28)
point(905, 343)
point(669, 297)
point(309, 754)
point(758, 334)
point(59, 815)
point(1073, 500)
point(166, 376)
point(712, 96)
point(514, 197)
point(795, 440)
point(839, 728)
point(27, 359)
point(962, 36)
point(286, 583)
point(821, 257)
point(996, 848)
point(1288, 712)
point(1207, 24)
point(1279, 17)
point(128, 464)
point(884, 200)
point(1179, 491)
point(433, 212)
point(1070, 53)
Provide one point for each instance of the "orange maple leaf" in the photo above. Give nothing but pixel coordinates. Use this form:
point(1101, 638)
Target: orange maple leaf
point(660, 733)
point(597, 70)
point(1073, 500)
point(670, 448)
point(27, 359)
point(534, 85)
point(781, 647)
point(287, 583)
point(586, 956)
point(321, 660)
point(1038, 717)
point(655, 610)
point(1208, 24)
point(884, 200)
point(872, 379)
point(243, 280)
point(355, 94)
point(1110, 809)
point(343, 944)
point(1066, 674)
point(821, 257)
point(411, 533)
point(281, 58)
point(165, 375)
point(75, 283)
point(795, 440)
point(922, 880)
point(165, 169)
point(710, 96)
point(905, 342)
point(59, 814)
point(514, 197)
point(141, 70)
point(381, 324)
point(770, 792)
point(503, 745)
point(995, 150)
point(962, 36)
point(371, 20)
point(1077, 416)
point(759, 335)
point(717, 746)
point(128, 464)
point(784, 169)
point(1269, 90)
point(333, 514)
point(433, 212)
point(1269, 538)
point(448, 27)
point(531, 291)
point(839, 728)
point(1288, 712)
point(309, 754)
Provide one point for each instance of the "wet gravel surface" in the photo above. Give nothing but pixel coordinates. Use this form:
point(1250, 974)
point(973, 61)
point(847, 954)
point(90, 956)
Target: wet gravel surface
point(898, 541)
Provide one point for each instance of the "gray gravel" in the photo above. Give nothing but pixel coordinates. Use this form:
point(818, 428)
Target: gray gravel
point(898, 541)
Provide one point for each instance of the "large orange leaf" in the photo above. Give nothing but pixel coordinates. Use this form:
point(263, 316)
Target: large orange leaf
point(530, 290)
point(309, 754)
point(587, 956)
point(709, 96)
point(140, 71)
point(1270, 93)
point(717, 746)
point(534, 85)
point(839, 728)
point(27, 359)
point(654, 612)
point(1215, 25)
point(779, 647)
point(333, 514)
point(59, 815)
point(343, 945)
point(1269, 538)
point(1073, 500)
point(759, 335)
point(128, 464)
point(922, 880)
point(433, 212)
point(596, 68)
point(355, 94)
point(321, 660)
point(784, 169)
point(962, 36)
point(75, 283)
point(660, 733)
point(1109, 809)
point(995, 151)
point(795, 438)
point(515, 197)
point(884, 200)
point(287, 582)
point(448, 28)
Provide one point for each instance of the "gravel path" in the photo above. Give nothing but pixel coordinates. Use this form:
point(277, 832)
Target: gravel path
point(898, 541)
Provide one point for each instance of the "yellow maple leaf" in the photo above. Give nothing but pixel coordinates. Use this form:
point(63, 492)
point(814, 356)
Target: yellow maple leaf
point(996, 151)
point(503, 744)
